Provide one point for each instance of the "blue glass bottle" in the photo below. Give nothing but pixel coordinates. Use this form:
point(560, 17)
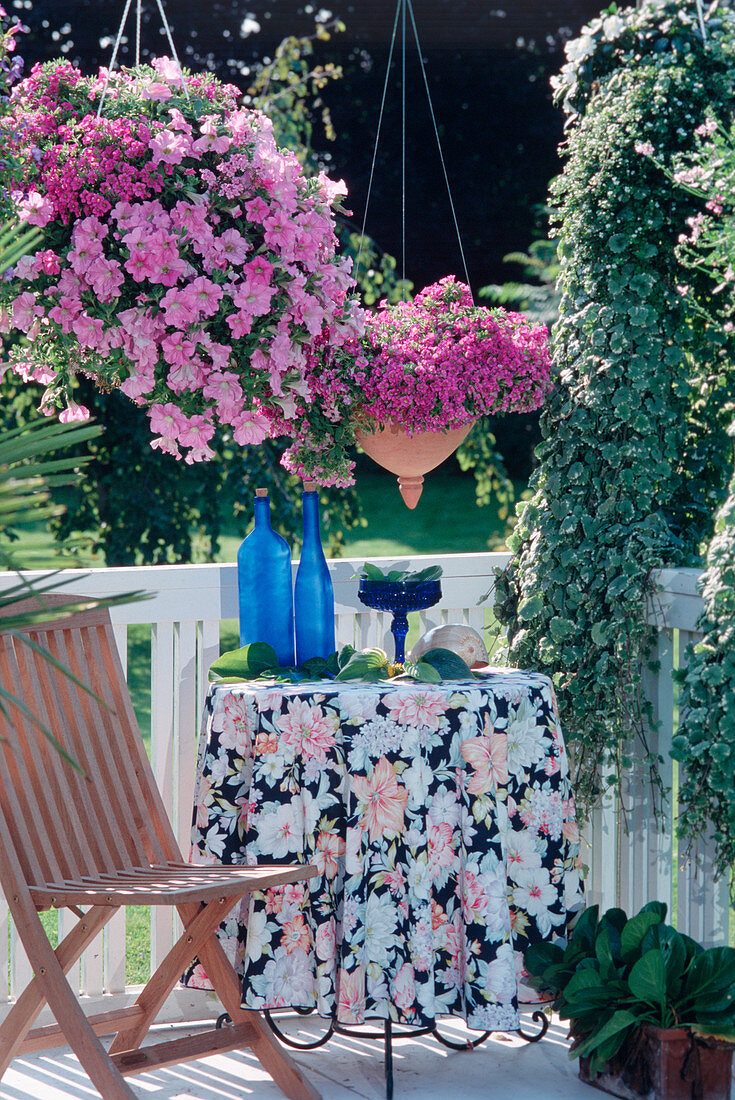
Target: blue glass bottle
point(264, 585)
point(313, 593)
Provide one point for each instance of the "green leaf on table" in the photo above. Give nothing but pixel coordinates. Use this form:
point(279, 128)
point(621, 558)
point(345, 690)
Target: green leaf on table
point(431, 573)
point(448, 664)
point(367, 664)
point(245, 663)
point(344, 656)
point(426, 673)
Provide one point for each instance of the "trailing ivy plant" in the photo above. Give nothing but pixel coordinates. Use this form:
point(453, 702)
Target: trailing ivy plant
point(628, 477)
point(705, 741)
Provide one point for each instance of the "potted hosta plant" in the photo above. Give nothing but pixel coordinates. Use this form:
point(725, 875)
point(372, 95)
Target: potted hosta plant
point(651, 1012)
point(411, 387)
point(185, 259)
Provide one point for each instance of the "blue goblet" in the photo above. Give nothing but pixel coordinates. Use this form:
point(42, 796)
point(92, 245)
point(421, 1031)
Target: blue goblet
point(400, 597)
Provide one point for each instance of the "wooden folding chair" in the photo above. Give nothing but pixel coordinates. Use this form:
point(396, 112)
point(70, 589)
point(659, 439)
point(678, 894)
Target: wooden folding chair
point(96, 842)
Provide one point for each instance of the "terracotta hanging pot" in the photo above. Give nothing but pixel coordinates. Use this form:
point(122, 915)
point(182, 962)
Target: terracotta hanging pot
point(410, 456)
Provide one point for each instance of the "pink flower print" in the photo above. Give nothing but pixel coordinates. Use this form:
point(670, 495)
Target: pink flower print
point(383, 801)
point(204, 791)
point(74, 412)
point(438, 916)
point(234, 724)
point(326, 940)
point(249, 428)
point(535, 893)
point(330, 848)
point(570, 831)
point(351, 995)
point(395, 880)
point(403, 989)
point(198, 978)
point(471, 894)
point(306, 728)
point(265, 743)
point(295, 935)
point(477, 754)
point(418, 708)
point(441, 852)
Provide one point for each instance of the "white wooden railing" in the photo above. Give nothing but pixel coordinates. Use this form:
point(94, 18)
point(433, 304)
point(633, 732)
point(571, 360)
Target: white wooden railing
point(186, 609)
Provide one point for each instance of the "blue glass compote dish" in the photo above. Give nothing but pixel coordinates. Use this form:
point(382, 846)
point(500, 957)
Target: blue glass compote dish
point(400, 597)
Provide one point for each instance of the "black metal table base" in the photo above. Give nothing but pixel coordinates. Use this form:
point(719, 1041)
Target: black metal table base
point(387, 1035)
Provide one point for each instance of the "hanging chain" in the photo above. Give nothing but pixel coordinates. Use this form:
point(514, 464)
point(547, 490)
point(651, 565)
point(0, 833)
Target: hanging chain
point(402, 8)
point(118, 40)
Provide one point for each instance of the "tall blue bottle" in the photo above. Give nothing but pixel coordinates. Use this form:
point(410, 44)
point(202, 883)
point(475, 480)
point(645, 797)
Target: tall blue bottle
point(313, 593)
point(264, 585)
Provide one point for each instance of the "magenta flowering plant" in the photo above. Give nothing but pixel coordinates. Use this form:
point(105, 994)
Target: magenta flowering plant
point(434, 363)
point(186, 259)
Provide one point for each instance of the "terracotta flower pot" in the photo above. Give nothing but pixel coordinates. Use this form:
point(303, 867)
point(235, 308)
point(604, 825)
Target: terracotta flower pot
point(666, 1064)
point(410, 456)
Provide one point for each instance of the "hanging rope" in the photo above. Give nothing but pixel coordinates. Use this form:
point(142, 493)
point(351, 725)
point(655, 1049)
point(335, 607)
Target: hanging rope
point(700, 16)
point(377, 135)
point(118, 40)
point(403, 7)
point(439, 146)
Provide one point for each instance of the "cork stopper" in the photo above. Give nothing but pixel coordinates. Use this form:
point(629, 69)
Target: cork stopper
point(261, 492)
point(309, 486)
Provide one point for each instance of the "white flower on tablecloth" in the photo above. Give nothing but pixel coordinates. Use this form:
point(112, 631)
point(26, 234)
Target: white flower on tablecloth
point(269, 700)
point(350, 915)
point(422, 943)
point(403, 988)
point(271, 767)
point(419, 879)
point(357, 706)
point(280, 830)
point(527, 739)
point(467, 826)
point(500, 977)
point(353, 850)
point(495, 914)
point(534, 892)
point(444, 807)
point(258, 935)
point(417, 708)
point(214, 841)
point(233, 721)
point(379, 926)
point(542, 811)
point(377, 987)
point(417, 779)
point(220, 767)
point(289, 978)
point(522, 854)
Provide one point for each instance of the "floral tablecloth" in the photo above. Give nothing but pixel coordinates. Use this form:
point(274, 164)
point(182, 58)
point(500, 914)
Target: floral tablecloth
point(441, 821)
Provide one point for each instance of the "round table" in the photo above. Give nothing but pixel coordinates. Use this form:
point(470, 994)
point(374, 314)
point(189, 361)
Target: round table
point(441, 821)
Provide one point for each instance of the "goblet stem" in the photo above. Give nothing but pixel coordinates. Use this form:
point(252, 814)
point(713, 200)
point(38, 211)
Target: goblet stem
point(399, 630)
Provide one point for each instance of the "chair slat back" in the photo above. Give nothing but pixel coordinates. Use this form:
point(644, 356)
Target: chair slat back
point(64, 824)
